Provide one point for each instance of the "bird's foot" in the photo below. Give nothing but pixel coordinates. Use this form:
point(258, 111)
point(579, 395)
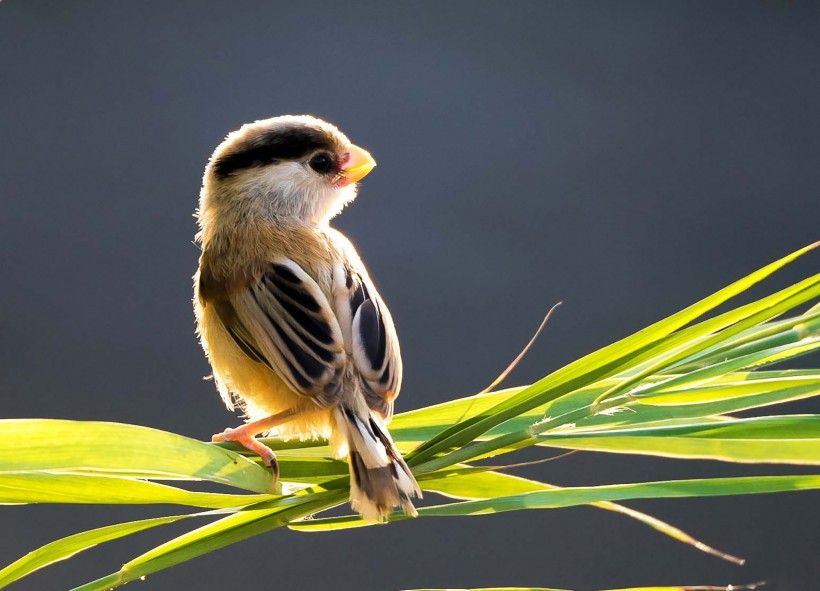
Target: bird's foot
point(248, 441)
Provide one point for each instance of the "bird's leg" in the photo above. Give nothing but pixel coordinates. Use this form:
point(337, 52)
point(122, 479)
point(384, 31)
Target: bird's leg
point(244, 436)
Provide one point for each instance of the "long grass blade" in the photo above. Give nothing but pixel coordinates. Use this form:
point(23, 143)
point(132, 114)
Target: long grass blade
point(597, 365)
point(774, 440)
point(67, 547)
point(219, 534)
point(41, 487)
point(735, 363)
point(524, 437)
point(574, 496)
point(115, 448)
point(704, 336)
point(764, 336)
point(475, 484)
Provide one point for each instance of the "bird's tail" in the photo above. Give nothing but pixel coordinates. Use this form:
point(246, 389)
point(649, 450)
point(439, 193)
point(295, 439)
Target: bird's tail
point(380, 481)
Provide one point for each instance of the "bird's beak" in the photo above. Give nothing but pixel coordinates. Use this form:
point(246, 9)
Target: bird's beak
point(358, 163)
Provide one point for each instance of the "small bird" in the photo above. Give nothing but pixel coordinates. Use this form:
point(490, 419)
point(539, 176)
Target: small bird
point(296, 333)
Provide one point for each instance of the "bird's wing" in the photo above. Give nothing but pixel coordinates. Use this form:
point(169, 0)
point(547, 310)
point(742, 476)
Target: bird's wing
point(370, 336)
point(283, 319)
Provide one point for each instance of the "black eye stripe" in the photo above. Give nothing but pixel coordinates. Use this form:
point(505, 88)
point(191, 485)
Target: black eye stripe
point(273, 146)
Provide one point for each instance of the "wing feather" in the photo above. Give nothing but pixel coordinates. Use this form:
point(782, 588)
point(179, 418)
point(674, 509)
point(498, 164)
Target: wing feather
point(283, 319)
point(370, 337)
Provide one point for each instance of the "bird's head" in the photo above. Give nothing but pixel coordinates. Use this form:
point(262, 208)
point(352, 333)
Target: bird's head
point(290, 166)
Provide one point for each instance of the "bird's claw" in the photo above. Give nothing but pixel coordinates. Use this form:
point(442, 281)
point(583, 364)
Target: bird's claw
point(269, 459)
point(249, 442)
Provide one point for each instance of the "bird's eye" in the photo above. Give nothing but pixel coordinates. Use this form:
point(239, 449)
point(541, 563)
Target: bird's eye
point(321, 163)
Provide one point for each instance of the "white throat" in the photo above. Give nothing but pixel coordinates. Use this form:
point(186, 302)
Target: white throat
point(285, 190)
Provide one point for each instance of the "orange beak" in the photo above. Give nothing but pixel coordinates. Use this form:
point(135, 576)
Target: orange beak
point(358, 163)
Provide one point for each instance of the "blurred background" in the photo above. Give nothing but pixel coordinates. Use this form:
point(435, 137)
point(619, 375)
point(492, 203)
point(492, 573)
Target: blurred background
point(627, 158)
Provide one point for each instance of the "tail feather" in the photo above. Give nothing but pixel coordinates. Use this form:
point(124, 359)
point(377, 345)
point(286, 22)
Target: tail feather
point(380, 480)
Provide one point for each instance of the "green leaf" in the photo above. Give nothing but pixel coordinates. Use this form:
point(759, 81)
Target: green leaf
point(472, 483)
point(71, 545)
point(713, 400)
point(709, 373)
point(681, 346)
point(781, 440)
point(611, 359)
point(568, 497)
point(763, 336)
point(226, 531)
point(43, 487)
point(584, 495)
point(732, 392)
point(114, 448)
point(579, 411)
point(424, 423)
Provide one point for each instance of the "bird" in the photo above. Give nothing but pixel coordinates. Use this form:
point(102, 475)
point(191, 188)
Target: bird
point(296, 333)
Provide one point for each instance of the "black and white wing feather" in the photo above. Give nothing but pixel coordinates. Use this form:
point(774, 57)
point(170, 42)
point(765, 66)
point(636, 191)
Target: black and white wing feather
point(281, 318)
point(285, 321)
point(369, 336)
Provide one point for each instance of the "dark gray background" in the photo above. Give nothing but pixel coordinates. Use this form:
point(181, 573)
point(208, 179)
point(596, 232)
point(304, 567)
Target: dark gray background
point(627, 158)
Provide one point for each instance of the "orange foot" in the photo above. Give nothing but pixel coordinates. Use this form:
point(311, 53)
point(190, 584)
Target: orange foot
point(243, 437)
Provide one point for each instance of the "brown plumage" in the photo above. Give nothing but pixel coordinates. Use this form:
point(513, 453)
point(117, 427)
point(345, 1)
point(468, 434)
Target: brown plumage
point(296, 332)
